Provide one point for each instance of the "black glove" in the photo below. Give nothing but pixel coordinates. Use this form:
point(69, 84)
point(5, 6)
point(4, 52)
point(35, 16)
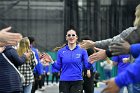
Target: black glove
point(119, 48)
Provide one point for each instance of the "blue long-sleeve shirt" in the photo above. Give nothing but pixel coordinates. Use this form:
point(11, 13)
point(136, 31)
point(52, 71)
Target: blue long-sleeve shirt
point(46, 69)
point(70, 63)
point(54, 70)
point(38, 68)
point(131, 74)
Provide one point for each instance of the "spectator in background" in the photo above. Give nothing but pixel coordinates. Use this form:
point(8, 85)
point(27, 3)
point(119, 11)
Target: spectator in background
point(44, 59)
point(88, 75)
point(107, 65)
point(42, 80)
point(10, 81)
point(38, 70)
point(9, 78)
point(47, 74)
point(96, 79)
point(27, 68)
point(122, 62)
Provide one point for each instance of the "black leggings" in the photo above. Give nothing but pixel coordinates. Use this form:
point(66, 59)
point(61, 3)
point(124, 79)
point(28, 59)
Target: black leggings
point(56, 76)
point(88, 85)
point(71, 86)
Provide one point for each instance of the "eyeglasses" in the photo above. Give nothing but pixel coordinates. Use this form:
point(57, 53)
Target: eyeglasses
point(69, 35)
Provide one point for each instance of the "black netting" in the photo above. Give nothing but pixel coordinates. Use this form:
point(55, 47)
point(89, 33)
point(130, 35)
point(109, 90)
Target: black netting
point(47, 20)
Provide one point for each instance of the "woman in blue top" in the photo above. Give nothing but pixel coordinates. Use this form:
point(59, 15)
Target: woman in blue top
point(69, 61)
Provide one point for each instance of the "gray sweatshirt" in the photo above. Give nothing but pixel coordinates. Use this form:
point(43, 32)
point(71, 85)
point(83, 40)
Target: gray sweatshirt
point(124, 34)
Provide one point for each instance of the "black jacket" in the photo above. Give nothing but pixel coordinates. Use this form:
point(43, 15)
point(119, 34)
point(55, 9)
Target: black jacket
point(9, 78)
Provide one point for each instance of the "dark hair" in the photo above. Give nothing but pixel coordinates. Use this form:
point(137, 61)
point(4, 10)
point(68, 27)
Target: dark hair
point(31, 39)
point(71, 28)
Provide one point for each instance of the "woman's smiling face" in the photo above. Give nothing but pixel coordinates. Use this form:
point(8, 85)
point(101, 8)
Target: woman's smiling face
point(71, 37)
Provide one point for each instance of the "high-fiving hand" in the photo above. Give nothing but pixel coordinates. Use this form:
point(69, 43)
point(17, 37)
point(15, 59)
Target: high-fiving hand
point(99, 55)
point(87, 44)
point(9, 38)
point(111, 87)
point(119, 48)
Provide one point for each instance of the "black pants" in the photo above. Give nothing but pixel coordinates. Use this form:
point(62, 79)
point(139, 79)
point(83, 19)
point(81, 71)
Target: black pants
point(42, 80)
point(88, 85)
point(47, 78)
point(37, 83)
point(71, 86)
point(56, 76)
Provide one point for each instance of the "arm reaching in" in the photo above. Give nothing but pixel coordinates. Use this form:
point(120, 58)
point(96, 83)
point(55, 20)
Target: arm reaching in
point(111, 86)
point(9, 38)
point(131, 35)
point(100, 55)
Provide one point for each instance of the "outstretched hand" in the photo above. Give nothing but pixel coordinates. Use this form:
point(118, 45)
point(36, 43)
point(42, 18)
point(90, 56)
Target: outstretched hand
point(9, 38)
point(87, 44)
point(99, 55)
point(46, 57)
point(111, 86)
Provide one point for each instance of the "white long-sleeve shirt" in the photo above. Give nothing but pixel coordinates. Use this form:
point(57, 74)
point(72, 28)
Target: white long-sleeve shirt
point(107, 65)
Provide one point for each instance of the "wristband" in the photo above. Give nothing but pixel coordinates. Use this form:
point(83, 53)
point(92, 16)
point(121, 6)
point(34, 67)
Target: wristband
point(108, 53)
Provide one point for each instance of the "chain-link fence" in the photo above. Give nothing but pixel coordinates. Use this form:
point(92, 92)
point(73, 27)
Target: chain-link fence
point(47, 20)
